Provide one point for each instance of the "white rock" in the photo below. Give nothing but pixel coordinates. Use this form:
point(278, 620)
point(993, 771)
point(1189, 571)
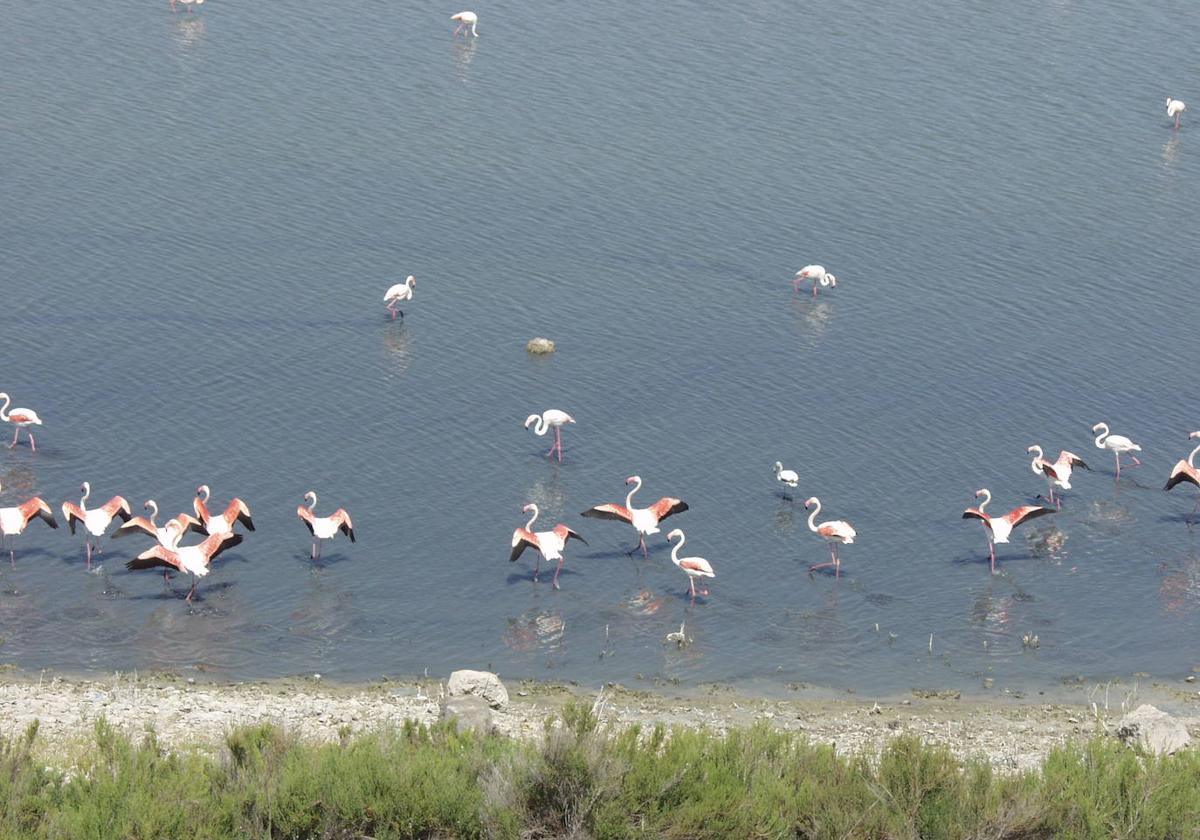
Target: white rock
point(539, 346)
point(1154, 729)
point(480, 684)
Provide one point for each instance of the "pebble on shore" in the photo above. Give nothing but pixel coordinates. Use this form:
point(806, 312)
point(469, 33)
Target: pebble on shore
point(540, 346)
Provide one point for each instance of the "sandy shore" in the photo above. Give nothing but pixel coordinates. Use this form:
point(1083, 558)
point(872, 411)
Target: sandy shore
point(1009, 734)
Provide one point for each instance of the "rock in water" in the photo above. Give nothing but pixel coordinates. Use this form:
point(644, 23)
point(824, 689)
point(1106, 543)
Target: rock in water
point(1154, 729)
point(468, 712)
point(539, 346)
point(479, 684)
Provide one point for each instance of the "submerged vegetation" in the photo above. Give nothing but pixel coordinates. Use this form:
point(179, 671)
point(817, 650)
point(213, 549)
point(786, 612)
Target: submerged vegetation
point(581, 780)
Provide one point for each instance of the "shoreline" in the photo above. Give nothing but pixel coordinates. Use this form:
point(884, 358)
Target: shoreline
point(1010, 734)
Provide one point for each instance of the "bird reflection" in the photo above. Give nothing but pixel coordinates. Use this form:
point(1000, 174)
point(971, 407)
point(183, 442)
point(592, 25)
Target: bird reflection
point(1180, 585)
point(463, 55)
point(992, 611)
point(188, 32)
point(1048, 544)
point(785, 517)
point(536, 631)
point(644, 602)
point(397, 342)
point(549, 496)
point(1169, 151)
point(812, 317)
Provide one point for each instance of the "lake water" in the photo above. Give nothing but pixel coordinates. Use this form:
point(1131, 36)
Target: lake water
point(200, 214)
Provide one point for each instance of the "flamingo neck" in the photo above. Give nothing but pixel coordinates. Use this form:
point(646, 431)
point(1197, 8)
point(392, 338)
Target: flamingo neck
point(4, 409)
point(1038, 457)
point(1100, 437)
point(532, 519)
point(987, 500)
point(1192, 455)
point(675, 549)
point(312, 506)
point(153, 507)
point(812, 517)
point(87, 491)
point(637, 485)
point(204, 493)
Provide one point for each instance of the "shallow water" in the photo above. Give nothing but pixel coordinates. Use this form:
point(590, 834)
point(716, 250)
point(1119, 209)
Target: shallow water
point(201, 213)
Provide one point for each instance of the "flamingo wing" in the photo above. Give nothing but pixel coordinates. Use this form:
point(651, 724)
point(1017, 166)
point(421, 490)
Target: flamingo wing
point(1072, 459)
point(1048, 470)
point(698, 565)
point(37, 507)
point(1026, 512)
point(306, 516)
point(72, 513)
point(117, 506)
point(343, 522)
point(572, 535)
point(156, 556)
point(666, 506)
point(976, 513)
point(610, 511)
point(214, 545)
point(522, 540)
point(238, 511)
point(1182, 472)
point(189, 523)
point(134, 525)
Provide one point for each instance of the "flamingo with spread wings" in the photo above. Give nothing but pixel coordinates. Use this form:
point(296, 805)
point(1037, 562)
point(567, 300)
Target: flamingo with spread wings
point(548, 544)
point(13, 521)
point(95, 521)
point(193, 559)
point(1000, 527)
point(235, 511)
point(324, 527)
point(644, 520)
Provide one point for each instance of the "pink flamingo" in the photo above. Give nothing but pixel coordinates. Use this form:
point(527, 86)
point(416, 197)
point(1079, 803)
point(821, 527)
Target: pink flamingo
point(999, 527)
point(95, 521)
point(817, 274)
point(549, 544)
point(833, 531)
point(193, 559)
point(694, 566)
point(1057, 473)
point(644, 520)
point(14, 519)
point(1185, 471)
point(22, 418)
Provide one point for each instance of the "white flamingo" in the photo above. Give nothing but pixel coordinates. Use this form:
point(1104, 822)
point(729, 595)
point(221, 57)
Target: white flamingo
point(14, 519)
point(22, 418)
point(694, 566)
point(193, 559)
point(324, 527)
point(1175, 109)
point(1116, 444)
point(999, 527)
point(817, 274)
point(466, 21)
point(1057, 473)
point(397, 294)
point(551, 418)
point(1185, 471)
point(95, 521)
point(788, 477)
point(644, 520)
point(548, 544)
point(833, 531)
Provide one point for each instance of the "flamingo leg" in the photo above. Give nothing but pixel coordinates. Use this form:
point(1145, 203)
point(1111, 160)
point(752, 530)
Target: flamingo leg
point(837, 561)
point(558, 441)
point(814, 288)
point(992, 555)
point(642, 542)
point(32, 443)
point(537, 562)
point(556, 571)
point(191, 591)
point(16, 432)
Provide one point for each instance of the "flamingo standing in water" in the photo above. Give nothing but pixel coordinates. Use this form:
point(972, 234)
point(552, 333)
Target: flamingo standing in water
point(1116, 444)
point(817, 274)
point(1057, 473)
point(1184, 471)
point(235, 511)
point(549, 544)
point(787, 477)
point(551, 418)
point(644, 520)
point(324, 527)
point(694, 566)
point(14, 519)
point(466, 21)
point(193, 559)
point(833, 531)
point(399, 293)
point(1175, 109)
point(95, 521)
point(187, 4)
point(999, 527)
point(167, 537)
point(22, 418)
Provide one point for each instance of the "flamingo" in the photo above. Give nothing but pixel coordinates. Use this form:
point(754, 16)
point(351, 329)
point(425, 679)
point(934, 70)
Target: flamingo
point(999, 527)
point(398, 293)
point(833, 531)
point(1181, 472)
point(1175, 108)
point(22, 418)
point(466, 20)
point(193, 559)
point(551, 418)
point(817, 274)
point(324, 527)
point(1116, 444)
point(644, 520)
point(694, 566)
point(97, 520)
point(186, 3)
point(166, 537)
point(549, 544)
point(235, 511)
point(1057, 473)
point(14, 519)
point(788, 477)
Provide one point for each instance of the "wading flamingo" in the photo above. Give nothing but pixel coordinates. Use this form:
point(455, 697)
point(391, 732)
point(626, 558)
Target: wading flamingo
point(397, 294)
point(694, 566)
point(466, 21)
point(187, 4)
point(1186, 471)
point(1058, 473)
point(551, 418)
point(14, 519)
point(788, 477)
point(1116, 444)
point(817, 274)
point(644, 520)
point(999, 527)
point(833, 531)
point(22, 418)
point(95, 521)
point(1175, 109)
point(549, 544)
point(193, 559)
point(167, 537)
point(324, 527)
point(235, 511)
